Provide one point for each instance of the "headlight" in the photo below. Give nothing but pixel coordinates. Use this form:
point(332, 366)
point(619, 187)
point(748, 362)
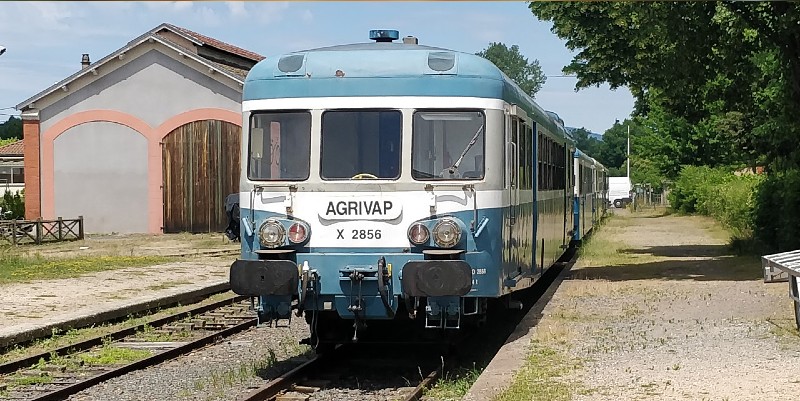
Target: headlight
point(272, 234)
point(297, 233)
point(446, 233)
point(418, 234)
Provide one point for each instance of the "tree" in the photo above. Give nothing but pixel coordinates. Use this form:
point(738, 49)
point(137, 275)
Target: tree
point(729, 70)
point(586, 143)
point(528, 75)
point(11, 128)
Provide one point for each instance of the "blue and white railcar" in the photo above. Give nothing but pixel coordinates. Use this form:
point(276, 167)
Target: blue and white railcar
point(393, 181)
point(590, 194)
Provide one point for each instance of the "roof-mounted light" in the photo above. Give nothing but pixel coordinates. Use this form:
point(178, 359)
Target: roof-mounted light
point(384, 35)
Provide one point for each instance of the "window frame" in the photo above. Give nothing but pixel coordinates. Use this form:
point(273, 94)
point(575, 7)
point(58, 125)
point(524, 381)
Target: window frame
point(482, 112)
point(400, 144)
point(252, 118)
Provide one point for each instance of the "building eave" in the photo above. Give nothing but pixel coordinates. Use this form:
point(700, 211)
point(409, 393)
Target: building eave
point(92, 68)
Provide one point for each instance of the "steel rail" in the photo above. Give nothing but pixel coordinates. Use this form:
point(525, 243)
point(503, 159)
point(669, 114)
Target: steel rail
point(283, 382)
point(147, 362)
point(425, 384)
point(111, 316)
point(25, 362)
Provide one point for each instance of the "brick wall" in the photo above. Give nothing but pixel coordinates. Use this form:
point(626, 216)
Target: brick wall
point(31, 138)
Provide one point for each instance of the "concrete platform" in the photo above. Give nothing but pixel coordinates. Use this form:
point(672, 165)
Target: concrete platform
point(36, 309)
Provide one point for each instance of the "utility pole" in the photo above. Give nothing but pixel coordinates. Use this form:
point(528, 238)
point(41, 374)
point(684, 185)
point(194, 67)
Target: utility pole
point(629, 152)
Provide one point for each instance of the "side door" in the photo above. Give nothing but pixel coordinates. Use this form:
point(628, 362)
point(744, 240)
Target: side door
point(514, 241)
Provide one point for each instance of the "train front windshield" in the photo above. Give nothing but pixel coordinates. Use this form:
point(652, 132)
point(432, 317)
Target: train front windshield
point(367, 144)
point(361, 144)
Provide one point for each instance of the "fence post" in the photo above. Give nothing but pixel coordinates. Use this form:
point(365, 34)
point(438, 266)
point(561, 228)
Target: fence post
point(14, 232)
point(60, 229)
point(39, 229)
point(80, 227)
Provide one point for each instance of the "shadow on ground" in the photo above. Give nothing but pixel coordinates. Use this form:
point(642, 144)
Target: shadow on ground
point(714, 266)
point(678, 251)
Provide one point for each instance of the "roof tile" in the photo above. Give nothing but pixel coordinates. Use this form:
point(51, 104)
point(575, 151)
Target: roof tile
point(219, 44)
point(12, 149)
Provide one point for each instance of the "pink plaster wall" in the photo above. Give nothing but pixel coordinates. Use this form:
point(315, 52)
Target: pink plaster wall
point(154, 136)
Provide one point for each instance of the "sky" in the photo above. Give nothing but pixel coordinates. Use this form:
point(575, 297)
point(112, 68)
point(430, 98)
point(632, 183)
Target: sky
point(45, 40)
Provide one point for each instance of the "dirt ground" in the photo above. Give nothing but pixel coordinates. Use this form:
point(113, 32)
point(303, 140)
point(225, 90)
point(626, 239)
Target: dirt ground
point(658, 309)
point(133, 245)
point(24, 306)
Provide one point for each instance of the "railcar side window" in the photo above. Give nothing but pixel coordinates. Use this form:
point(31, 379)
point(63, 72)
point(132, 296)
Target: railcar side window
point(280, 146)
point(361, 144)
point(448, 145)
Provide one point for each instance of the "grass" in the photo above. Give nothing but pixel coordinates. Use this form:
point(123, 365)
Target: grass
point(453, 386)
point(29, 380)
point(16, 268)
point(218, 382)
point(539, 379)
point(109, 354)
point(222, 379)
point(168, 284)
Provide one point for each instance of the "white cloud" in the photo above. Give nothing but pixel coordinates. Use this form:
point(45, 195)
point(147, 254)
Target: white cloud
point(208, 16)
point(268, 13)
point(237, 9)
point(175, 6)
point(307, 16)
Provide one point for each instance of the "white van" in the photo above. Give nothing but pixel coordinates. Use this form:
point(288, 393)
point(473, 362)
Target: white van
point(619, 191)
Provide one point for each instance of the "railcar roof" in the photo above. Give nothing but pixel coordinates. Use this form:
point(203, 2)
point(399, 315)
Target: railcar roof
point(387, 69)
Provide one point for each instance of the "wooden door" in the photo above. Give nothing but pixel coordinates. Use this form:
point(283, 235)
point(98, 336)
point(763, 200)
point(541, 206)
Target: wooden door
point(201, 167)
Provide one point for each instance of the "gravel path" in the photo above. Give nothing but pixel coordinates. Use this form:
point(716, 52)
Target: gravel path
point(25, 306)
point(671, 316)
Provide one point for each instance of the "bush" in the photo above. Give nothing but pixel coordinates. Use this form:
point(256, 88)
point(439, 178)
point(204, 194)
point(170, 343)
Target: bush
point(694, 187)
point(718, 193)
point(777, 212)
point(12, 206)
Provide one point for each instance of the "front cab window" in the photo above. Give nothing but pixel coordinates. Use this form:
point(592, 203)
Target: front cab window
point(448, 145)
point(361, 144)
point(280, 146)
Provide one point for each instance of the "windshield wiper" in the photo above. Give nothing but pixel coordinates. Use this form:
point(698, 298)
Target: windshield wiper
point(452, 169)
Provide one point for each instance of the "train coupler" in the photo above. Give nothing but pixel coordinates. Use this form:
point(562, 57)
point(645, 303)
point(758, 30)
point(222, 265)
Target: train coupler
point(443, 313)
point(272, 309)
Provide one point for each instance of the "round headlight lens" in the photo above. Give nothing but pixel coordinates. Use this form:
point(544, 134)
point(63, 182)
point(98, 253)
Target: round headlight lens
point(272, 234)
point(446, 233)
point(418, 234)
point(297, 233)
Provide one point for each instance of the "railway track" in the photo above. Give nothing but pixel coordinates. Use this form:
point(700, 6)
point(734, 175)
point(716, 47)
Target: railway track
point(336, 370)
point(111, 316)
point(58, 373)
point(331, 376)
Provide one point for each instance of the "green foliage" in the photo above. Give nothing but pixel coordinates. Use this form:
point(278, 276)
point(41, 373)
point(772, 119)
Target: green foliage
point(11, 130)
point(777, 212)
point(16, 268)
point(527, 74)
point(108, 354)
point(586, 143)
point(717, 192)
point(12, 206)
point(723, 78)
point(732, 204)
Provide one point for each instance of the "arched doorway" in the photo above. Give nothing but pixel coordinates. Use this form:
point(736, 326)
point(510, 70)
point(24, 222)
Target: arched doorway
point(201, 168)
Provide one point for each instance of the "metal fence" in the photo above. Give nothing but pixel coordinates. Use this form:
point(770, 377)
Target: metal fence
point(17, 232)
point(649, 199)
